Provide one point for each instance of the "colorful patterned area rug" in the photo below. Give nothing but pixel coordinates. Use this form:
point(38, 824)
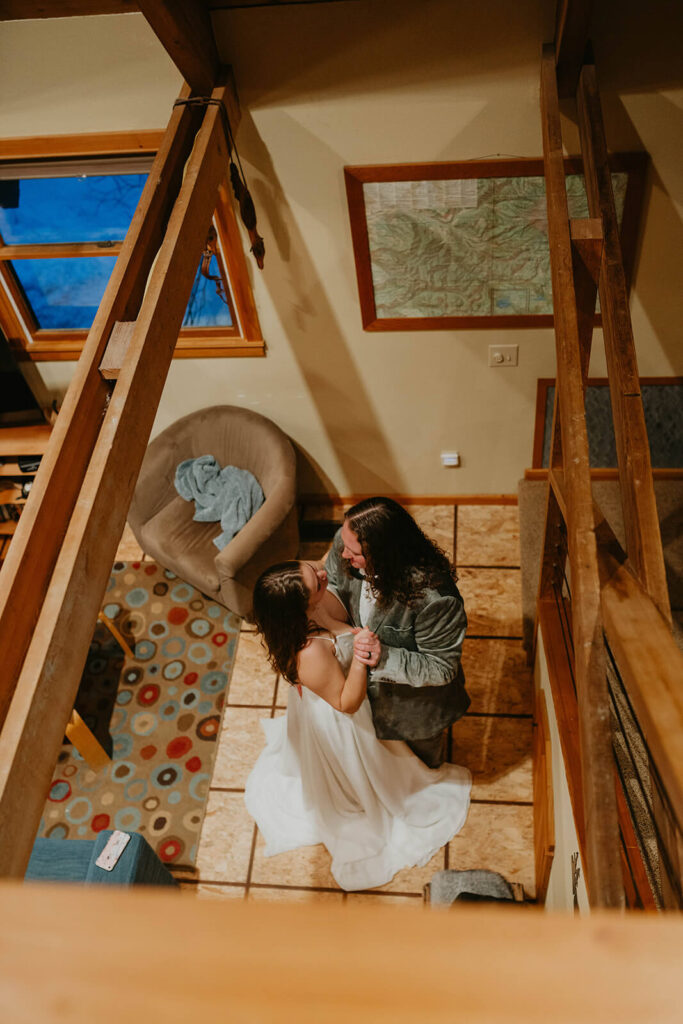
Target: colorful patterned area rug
point(163, 710)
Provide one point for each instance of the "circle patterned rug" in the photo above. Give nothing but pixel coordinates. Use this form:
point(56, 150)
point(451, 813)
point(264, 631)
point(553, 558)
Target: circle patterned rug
point(162, 709)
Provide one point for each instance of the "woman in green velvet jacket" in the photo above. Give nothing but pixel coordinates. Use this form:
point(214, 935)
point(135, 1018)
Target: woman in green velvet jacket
point(394, 581)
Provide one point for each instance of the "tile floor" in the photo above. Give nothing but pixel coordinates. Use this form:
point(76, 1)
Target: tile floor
point(494, 739)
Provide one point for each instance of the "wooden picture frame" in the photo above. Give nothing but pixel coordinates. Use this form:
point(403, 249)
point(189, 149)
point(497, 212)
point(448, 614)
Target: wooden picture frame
point(543, 426)
point(357, 178)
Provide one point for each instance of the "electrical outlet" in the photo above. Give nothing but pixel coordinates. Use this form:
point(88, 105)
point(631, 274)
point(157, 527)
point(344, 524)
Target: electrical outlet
point(450, 458)
point(503, 355)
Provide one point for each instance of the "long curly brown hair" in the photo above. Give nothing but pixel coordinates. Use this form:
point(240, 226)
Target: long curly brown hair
point(401, 563)
point(281, 616)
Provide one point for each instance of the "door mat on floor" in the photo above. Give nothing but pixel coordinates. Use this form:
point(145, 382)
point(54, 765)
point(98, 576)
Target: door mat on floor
point(166, 706)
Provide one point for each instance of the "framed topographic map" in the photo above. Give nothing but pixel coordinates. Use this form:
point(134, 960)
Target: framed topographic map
point(448, 245)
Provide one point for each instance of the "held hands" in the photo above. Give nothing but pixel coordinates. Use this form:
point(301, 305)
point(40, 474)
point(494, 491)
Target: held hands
point(366, 647)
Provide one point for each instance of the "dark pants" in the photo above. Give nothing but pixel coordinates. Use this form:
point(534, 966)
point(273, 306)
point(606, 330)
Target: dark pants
point(432, 751)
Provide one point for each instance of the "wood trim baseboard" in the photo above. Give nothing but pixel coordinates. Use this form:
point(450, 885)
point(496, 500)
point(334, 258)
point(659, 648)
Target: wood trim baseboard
point(411, 499)
point(609, 474)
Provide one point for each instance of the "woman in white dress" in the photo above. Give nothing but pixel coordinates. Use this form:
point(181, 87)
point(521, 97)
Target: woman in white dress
point(324, 777)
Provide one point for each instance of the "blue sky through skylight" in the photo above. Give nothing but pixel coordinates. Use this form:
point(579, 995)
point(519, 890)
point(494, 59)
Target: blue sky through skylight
point(65, 293)
point(96, 208)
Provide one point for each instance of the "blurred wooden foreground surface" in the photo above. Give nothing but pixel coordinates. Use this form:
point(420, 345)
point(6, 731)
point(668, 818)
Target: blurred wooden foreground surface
point(73, 954)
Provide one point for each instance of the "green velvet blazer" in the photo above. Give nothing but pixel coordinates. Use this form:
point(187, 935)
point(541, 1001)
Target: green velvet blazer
point(418, 687)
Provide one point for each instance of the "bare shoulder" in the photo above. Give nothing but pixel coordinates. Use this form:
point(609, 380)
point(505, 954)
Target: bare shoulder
point(317, 664)
point(318, 651)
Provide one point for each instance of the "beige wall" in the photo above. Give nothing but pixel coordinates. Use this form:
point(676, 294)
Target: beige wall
point(322, 86)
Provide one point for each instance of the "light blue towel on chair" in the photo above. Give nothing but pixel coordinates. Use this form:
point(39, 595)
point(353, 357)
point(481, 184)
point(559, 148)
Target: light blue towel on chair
point(230, 496)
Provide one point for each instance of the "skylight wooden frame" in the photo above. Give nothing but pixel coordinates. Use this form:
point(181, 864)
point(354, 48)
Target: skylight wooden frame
point(244, 338)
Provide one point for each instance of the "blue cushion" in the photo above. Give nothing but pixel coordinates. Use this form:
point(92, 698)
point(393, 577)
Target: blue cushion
point(59, 860)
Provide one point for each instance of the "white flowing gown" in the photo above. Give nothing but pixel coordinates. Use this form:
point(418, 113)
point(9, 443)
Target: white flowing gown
point(324, 777)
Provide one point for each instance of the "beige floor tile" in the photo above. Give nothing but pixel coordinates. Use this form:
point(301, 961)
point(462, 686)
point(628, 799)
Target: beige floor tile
point(383, 899)
point(309, 865)
point(437, 521)
point(314, 550)
point(220, 892)
point(241, 741)
point(414, 879)
point(497, 837)
point(253, 679)
point(128, 550)
point(498, 677)
point(225, 843)
point(291, 895)
point(493, 601)
point(498, 752)
point(487, 535)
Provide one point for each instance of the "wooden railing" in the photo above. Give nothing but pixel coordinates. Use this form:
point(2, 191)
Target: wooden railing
point(573, 295)
point(608, 592)
point(203, 960)
point(56, 570)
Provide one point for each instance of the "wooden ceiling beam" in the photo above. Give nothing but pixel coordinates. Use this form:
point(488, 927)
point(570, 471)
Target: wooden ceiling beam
point(572, 31)
point(184, 29)
point(23, 10)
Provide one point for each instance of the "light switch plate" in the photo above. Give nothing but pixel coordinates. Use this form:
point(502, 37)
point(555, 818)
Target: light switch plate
point(503, 355)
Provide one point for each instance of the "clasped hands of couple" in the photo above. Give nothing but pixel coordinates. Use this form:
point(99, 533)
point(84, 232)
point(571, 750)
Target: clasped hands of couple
point(366, 646)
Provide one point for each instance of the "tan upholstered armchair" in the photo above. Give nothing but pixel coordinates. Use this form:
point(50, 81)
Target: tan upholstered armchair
point(162, 521)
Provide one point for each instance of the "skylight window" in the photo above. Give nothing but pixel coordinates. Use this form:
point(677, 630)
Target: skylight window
point(62, 224)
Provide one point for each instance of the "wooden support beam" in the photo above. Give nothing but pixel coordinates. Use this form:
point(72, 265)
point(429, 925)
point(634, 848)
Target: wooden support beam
point(86, 743)
point(641, 521)
point(184, 28)
point(648, 658)
point(556, 481)
point(602, 865)
point(572, 30)
point(54, 661)
point(586, 238)
point(30, 561)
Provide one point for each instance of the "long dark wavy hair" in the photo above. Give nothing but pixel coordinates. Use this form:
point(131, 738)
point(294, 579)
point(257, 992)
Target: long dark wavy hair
point(281, 616)
point(401, 563)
